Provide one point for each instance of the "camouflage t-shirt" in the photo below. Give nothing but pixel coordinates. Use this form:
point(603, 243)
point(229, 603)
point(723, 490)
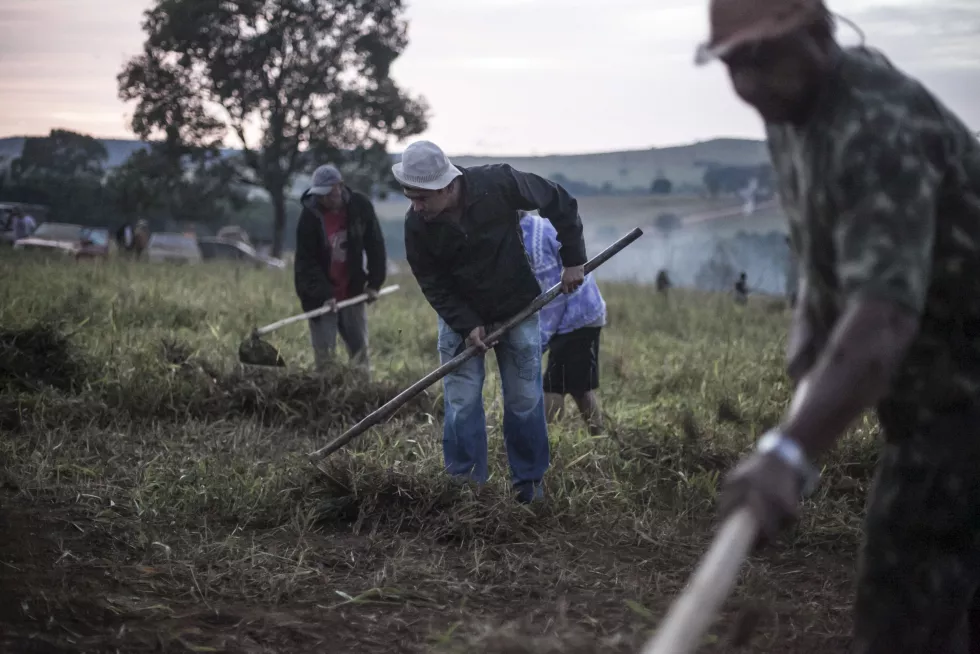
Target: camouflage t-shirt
point(882, 191)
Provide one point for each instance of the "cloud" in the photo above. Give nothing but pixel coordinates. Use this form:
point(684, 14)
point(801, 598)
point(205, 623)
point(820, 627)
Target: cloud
point(501, 64)
point(934, 36)
point(502, 76)
point(958, 17)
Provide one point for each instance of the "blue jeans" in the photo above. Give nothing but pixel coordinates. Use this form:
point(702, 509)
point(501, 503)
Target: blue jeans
point(464, 432)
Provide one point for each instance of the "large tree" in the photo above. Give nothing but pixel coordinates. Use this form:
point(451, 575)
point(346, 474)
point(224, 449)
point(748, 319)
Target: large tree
point(64, 172)
point(167, 180)
point(62, 153)
point(288, 78)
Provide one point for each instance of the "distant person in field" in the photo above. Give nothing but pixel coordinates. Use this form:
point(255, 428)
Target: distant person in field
point(17, 224)
point(663, 282)
point(741, 289)
point(881, 184)
point(463, 244)
point(340, 253)
point(125, 238)
point(29, 224)
point(570, 328)
point(23, 224)
point(141, 237)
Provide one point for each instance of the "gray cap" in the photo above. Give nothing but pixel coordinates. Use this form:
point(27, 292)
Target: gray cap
point(324, 179)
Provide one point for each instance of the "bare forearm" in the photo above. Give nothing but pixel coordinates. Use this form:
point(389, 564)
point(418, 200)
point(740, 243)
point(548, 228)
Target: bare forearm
point(851, 374)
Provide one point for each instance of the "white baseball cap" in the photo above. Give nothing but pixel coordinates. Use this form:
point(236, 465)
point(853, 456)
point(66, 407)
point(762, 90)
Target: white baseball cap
point(424, 165)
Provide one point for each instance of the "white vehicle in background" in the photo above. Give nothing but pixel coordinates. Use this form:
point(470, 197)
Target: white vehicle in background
point(173, 247)
point(53, 237)
point(226, 249)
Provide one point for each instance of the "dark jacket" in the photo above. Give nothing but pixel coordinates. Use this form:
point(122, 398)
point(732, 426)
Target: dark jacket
point(478, 272)
point(311, 270)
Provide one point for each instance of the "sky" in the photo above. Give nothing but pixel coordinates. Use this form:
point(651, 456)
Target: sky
point(502, 77)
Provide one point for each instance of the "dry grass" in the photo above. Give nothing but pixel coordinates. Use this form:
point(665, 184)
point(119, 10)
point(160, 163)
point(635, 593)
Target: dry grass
point(157, 496)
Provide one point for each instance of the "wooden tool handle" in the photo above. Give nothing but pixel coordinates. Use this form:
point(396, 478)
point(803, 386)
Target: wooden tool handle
point(690, 615)
point(357, 299)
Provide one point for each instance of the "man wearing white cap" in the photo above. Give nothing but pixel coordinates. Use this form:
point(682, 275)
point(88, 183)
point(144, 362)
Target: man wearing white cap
point(337, 228)
point(463, 243)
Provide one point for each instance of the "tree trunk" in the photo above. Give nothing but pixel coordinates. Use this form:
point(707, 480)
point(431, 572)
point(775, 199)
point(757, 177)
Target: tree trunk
point(279, 221)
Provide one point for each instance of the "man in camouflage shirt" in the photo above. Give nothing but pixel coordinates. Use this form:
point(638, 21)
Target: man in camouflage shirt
point(881, 186)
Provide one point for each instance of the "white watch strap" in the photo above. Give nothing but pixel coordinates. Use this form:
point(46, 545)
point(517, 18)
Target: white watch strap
point(788, 450)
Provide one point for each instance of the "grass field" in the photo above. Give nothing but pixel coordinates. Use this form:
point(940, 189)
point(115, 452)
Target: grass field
point(157, 497)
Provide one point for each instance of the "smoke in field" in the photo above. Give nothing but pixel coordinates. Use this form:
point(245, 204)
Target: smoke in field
point(698, 257)
point(708, 255)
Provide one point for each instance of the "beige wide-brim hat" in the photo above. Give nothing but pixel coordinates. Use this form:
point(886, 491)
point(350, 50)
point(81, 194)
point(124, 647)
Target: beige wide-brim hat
point(424, 165)
point(737, 22)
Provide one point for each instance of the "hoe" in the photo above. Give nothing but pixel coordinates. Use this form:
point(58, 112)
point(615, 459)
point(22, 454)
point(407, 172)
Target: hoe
point(399, 400)
point(256, 352)
point(691, 614)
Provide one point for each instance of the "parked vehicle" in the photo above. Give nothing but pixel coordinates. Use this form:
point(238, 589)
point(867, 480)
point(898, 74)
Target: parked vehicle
point(61, 237)
point(173, 247)
point(225, 249)
point(95, 243)
point(69, 239)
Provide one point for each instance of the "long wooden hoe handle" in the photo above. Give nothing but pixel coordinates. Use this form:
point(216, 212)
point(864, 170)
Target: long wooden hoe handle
point(343, 304)
point(690, 615)
point(395, 403)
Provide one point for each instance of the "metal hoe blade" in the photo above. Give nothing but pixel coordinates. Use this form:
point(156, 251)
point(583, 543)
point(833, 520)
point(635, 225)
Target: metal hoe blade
point(256, 352)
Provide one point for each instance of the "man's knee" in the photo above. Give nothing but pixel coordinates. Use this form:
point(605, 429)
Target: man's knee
point(523, 396)
point(463, 387)
point(462, 392)
point(448, 342)
point(355, 329)
point(520, 357)
point(323, 330)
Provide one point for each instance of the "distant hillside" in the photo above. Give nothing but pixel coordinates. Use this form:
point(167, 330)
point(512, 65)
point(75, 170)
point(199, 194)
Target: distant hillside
point(119, 149)
point(621, 171)
point(632, 210)
point(638, 168)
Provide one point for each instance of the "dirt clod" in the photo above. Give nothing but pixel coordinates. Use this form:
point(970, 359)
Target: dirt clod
point(38, 357)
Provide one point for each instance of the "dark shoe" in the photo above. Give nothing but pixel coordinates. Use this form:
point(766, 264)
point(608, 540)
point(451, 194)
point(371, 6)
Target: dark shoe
point(528, 492)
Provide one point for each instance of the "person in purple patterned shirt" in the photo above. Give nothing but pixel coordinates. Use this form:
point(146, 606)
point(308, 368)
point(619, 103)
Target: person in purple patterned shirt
point(570, 326)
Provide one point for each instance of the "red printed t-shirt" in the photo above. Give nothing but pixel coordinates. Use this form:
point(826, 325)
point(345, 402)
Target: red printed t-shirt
point(335, 224)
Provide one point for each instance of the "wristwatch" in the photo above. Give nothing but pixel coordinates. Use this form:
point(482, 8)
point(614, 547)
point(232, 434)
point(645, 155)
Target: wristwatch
point(776, 443)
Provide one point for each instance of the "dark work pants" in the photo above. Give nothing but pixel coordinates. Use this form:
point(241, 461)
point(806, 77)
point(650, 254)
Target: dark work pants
point(920, 563)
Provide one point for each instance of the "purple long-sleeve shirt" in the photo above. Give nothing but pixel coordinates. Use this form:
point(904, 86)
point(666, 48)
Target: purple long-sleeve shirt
point(566, 313)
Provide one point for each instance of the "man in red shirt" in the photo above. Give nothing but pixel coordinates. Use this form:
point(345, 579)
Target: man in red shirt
point(337, 228)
